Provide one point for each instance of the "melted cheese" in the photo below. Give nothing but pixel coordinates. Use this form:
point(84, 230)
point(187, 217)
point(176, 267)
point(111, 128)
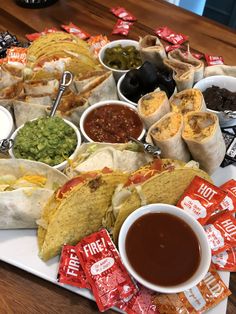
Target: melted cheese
point(198, 126)
point(167, 127)
point(185, 101)
point(151, 102)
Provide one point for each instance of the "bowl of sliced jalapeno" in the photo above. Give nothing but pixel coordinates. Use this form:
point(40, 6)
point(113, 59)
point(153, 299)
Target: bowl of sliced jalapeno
point(119, 56)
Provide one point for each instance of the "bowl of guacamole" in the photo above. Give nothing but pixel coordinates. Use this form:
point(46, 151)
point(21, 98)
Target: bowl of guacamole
point(51, 140)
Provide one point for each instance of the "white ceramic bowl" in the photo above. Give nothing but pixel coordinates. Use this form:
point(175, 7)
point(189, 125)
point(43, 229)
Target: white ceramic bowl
point(123, 42)
point(221, 81)
point(62, 165)
point(6, 123)
point(195, 226)
point(101, 104)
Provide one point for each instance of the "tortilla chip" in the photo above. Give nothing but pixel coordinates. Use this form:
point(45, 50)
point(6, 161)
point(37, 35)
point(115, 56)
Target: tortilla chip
point(166, 188)
point(79, 214)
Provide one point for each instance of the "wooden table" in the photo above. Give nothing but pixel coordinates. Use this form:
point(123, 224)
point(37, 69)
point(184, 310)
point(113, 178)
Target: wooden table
point(21, 292)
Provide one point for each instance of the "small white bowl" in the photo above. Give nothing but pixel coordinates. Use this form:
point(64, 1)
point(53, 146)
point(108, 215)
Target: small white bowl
point(101, 104)
point(120, 95)
point(205, 258)
point(6, 123)
point(62, 165)
point(124, 43)
point(221, 81)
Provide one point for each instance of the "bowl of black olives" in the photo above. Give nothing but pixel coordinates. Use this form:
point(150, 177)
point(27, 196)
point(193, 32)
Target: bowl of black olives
point(138, 82)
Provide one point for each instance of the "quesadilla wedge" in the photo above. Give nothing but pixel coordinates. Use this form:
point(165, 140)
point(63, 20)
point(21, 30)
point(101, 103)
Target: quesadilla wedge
point(164, 181)
point(25, 187)
point(76, 211)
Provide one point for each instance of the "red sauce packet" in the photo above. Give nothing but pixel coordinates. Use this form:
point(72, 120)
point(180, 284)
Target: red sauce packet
point(222, 233)
point(122, 27)
point(201, 199)
point(229, 202)
point(32, 37)
point(107, 276)
point(96, 43)
point(197, 300)
point(142, 302)
point(214, 60)
point(195, 55)
point(70, 270)
point(225, 260)
point(16, 54)
point(123, 14)
point(169, 48)
point(75, 30)
point(167, 34)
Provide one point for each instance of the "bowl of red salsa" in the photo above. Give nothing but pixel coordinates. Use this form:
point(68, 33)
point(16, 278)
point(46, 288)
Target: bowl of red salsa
point(111, 121)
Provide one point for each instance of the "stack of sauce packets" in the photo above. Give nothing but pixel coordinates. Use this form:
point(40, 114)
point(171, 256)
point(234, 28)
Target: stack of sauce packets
point(124, 22)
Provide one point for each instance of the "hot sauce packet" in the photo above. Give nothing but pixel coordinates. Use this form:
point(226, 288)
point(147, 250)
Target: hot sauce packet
point(123, 14)
point(214, 60)
point(229, 202)
point(225, 260)
point(169, 48)
point(16, 55)
point(167, 34)
point(33, 36)
point(221, 234)
point(107, 276)
point(122, 27)
point(201, 199)
point(70, 270)
point(75, 30)
point(207, 294)
point(96, 43)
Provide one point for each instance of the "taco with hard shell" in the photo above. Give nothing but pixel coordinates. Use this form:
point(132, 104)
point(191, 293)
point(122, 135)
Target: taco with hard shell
point(25, 187)
point(76, 210)
point(162, 181)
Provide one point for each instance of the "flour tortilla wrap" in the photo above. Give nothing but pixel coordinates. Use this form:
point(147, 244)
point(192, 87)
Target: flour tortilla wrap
point(41, 87)
point(188, 100)
point(166, 134)
point(78, 213)
point(229, 70)
point(203, 136)
point(151, 49)
point(152, 107)
point(25, 187)
point(166, 186)
point(183, 73)
point(189, 59)
point(96, 156)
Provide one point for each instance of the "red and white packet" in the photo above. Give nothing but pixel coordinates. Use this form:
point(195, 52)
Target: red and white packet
point(201, 199)
point(167, 34)
point(225, 260)
point(16, 55)
point(32, 37)
point(70, 270)
point(229, 202)
point(123, 14)
point(96, 43)
point(221, 233)
point(122, 27)
point(214, 60)
point(75, 30)
point(107, 276)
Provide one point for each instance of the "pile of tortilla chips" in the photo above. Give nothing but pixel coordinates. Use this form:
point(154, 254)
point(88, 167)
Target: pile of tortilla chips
point(102, 198)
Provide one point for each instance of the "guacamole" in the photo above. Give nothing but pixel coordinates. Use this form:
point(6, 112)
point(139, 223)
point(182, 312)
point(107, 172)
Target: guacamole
point(49, 140)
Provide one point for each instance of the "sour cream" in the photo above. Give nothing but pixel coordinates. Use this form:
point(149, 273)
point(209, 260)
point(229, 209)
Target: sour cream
point(6, 123)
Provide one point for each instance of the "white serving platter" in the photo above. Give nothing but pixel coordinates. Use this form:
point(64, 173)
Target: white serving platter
point(19, 248)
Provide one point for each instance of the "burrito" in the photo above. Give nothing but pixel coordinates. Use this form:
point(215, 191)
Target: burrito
point(163, 181)
point(229, 70)
point(184, 73)
point(41, 87)
point(118, 157)
point(188, 100)
point(203, 136)
point(198, 65)
point(166, 134)
point(76, 210)
point(25, 187)
point(152, 50)
point(153, 106)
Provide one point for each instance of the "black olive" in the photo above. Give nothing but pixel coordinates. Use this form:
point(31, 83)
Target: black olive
point(148, 74)
point(131, 85)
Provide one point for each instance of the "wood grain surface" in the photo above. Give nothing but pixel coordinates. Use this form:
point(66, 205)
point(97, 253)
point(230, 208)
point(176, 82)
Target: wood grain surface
point(21, 292)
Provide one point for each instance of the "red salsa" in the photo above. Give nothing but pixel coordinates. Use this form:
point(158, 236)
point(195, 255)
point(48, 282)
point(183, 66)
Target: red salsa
point(112, 123)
